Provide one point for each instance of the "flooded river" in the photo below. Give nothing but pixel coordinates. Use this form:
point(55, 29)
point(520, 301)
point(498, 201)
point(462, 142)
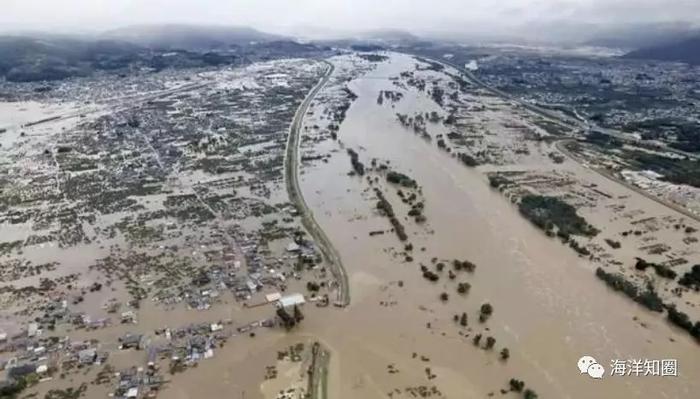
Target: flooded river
point(397, 338)
point(549, 308)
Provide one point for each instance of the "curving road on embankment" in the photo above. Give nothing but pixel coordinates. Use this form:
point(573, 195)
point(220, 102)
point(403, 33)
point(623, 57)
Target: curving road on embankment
point(555, 117)
point(561, 146)
point(569, 122)
point(291, 177)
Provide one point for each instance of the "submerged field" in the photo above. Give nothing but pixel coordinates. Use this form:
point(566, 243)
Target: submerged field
point(469, 239)
point(408, 290)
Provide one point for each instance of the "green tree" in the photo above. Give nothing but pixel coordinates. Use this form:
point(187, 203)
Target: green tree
point(287, 321)
point(298, 316)
point(463, 288)
point(529, 394)
point(463, 320)
point(505, 354)
point(485, 312)
point(516, 385)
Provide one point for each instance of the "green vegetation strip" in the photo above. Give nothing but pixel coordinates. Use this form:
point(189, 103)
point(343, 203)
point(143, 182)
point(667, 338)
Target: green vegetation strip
point(549, 213)
point(650, 300)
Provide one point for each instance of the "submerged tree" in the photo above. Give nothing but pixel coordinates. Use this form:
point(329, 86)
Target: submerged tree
point(530, 394)
point(485, 312)
point(505, 354)
point(463, 320)
point(463, 288)
point(298, 316)
point(287, 321)
point(516, 385)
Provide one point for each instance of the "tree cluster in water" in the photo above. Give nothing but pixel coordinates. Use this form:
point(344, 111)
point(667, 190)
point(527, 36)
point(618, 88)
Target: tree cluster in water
point(385, 207)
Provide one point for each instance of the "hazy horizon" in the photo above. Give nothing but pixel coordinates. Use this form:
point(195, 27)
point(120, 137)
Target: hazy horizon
point(533, 19)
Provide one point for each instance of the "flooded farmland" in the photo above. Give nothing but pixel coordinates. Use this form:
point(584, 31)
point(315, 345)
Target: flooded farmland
point(549, 308)
point(154, 244)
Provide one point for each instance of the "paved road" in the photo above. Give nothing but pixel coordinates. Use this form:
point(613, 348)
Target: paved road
point(318, 372)
point(570, 122)
point(291, 177)
point(561, 146)
point(555, 116)
point(218, 218)
point(116, 104)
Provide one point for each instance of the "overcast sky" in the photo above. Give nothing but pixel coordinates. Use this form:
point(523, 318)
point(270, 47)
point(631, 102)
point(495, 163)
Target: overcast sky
point(345, 15)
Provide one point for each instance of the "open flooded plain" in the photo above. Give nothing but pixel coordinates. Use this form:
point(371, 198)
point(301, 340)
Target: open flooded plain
point(400, 337)
point(154, 244)
point(549, 308)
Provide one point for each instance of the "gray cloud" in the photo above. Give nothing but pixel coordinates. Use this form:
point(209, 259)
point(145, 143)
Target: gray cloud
point(342, 15)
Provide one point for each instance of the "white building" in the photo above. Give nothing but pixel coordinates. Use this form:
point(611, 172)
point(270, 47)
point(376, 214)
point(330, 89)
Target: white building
point(291, 300)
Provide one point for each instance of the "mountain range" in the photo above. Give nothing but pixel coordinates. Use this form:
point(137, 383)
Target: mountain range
point(42, 57)
point(190, 37)
point(39, 57)
point(685, 50)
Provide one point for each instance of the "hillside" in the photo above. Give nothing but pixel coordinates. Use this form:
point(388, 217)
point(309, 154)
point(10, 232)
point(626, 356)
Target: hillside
point(50, 58)
point(686, 50)
point(189, 37)
point(31, 59)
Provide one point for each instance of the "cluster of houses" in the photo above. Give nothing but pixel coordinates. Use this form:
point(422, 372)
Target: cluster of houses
point(38, 356)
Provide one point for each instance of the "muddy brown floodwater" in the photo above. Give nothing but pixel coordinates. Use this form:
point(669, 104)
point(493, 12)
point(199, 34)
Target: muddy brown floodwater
point(549, 308)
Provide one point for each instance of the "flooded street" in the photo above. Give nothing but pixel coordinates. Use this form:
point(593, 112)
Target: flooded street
point(549, 309)
point(338, 200)
point(197, 238)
